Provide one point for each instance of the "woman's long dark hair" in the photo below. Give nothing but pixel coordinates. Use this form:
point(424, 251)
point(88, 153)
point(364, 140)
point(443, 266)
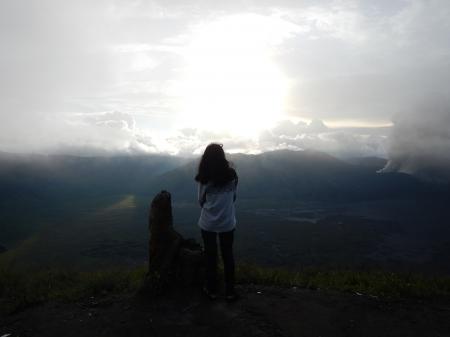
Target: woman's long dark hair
point(215, 167)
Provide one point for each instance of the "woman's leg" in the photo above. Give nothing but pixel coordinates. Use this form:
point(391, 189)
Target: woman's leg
point(226, 248)
point(210, 243)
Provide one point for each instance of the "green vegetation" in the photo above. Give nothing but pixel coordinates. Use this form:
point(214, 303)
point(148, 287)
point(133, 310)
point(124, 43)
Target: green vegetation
point(374, 283)
point(19, 290)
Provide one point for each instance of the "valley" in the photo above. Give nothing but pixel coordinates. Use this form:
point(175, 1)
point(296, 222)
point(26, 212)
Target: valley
point(318, 212)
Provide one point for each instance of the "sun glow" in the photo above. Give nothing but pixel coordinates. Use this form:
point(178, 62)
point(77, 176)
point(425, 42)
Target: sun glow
point(232, 83)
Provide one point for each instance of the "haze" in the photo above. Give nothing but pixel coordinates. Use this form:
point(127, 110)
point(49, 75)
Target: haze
point(351, 78)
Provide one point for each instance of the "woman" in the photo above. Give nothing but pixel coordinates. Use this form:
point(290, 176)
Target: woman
point(216, 195)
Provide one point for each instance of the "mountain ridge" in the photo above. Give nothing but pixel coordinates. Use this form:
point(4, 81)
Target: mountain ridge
point(276, 174)
point(309, 175)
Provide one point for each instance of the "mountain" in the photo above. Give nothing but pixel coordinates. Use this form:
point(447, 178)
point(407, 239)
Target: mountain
point(284, 174)
point(371, 163)
point(306, 175)
point(94, 210)
point(67, 176)
point(38, 190)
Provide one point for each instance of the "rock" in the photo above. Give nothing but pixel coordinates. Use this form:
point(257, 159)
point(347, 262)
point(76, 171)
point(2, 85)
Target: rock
point(172, 259)
point(164, 242)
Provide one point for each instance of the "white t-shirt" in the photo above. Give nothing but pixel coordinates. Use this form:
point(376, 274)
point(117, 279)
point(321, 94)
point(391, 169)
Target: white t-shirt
point(218, 212)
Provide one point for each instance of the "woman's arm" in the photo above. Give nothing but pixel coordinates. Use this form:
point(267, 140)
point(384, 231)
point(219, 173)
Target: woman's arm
point(201, 195)
point(235, 188)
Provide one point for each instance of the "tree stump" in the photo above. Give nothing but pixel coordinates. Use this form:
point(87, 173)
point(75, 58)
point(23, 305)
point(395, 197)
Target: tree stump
point(173, 260)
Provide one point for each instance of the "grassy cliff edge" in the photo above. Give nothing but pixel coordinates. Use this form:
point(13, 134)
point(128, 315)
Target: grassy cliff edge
point(19, 289)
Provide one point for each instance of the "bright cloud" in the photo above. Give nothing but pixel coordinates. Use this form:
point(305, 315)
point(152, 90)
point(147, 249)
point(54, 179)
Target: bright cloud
point(135, 76)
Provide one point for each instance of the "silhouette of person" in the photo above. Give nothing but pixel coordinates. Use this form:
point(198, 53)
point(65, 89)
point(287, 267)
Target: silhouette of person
point(217, 183)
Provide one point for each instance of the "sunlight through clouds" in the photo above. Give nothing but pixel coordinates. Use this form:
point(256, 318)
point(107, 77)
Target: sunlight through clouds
point(229, 71)
point(232, 82)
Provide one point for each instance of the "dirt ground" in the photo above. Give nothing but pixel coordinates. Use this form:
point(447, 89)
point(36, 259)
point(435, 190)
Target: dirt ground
point(261, 311)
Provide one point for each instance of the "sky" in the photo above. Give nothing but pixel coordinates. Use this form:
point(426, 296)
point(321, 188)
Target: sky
point(352, 78)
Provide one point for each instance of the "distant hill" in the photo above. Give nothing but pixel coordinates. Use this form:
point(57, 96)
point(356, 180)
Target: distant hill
point(282, 174)
point(2, 249)
point(308, 175)
point(65, 176)
point(94, 210)
point(36, 188)
point(371, 163)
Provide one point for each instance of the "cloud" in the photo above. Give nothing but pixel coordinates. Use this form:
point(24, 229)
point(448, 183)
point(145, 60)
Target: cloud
point(191, 141)
point(102, 133)
point(114, 119)
point(420, 141)
point(387, 58)
point(106, 133)
point(104, 75)
point(341, 142)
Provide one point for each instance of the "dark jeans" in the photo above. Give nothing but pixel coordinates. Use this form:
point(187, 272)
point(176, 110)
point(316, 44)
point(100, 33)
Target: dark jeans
point(226, 248)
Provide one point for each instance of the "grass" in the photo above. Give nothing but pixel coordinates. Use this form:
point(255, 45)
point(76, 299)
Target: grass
point(381, 284)
point(19, 290)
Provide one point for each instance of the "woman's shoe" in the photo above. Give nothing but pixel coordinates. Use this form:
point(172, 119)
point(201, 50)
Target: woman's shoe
point(210, 294)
